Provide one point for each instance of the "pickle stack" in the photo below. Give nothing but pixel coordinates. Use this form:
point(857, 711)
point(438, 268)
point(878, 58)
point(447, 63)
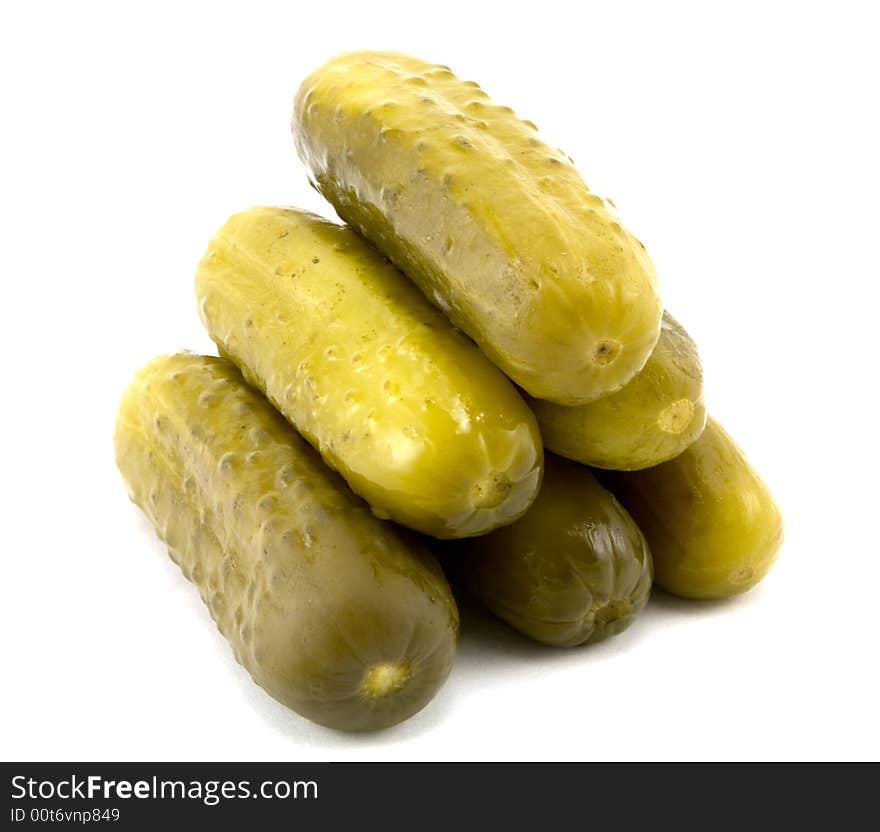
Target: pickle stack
point(475, 371)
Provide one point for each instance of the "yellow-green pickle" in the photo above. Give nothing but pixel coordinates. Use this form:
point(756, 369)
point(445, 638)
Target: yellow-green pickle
point(405, 407)
point(344, 618)
point(653, 418)
point(712, 524)
point(496, 228)
point(575, 569)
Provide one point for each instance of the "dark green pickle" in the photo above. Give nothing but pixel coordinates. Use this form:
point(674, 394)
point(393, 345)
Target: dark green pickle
point(575, 569)
point(712, 524)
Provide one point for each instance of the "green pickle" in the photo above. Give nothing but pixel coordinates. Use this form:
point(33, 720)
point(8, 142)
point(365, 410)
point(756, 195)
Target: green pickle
point(405, 407)
point(495, 227)
point(652, 419)
point(574, 570)
point(712, 524)
point(344, 618)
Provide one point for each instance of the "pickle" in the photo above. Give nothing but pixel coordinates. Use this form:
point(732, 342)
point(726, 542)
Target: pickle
point(406, 408)
point(653, 418)
point(575, 569)
point(495, 227)
point(344, 618)
point(712, 524)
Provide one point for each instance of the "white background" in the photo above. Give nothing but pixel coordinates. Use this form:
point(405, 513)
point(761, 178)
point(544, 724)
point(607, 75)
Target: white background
point(741, 145)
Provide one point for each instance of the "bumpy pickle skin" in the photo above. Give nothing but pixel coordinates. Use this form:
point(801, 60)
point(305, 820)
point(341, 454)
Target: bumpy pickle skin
point(495, 227)
point(575, 569)
point(345, 619)
point(712, 524)
point(652, 419)
point(406, 408)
